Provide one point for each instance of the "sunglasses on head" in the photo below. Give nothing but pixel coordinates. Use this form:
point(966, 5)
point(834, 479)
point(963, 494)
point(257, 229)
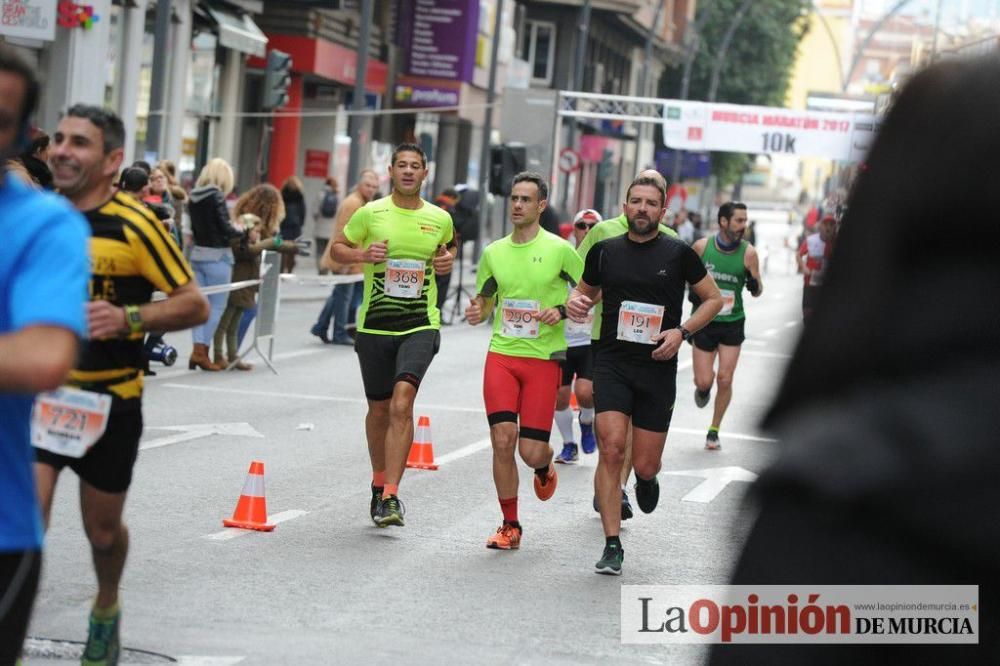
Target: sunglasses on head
point(585, 225)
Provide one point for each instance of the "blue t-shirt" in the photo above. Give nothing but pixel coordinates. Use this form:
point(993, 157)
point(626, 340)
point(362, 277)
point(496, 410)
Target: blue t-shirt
point(44, 268)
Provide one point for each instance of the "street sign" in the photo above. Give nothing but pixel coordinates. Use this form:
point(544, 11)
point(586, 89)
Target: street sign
point(767, 130)
point(569, 160)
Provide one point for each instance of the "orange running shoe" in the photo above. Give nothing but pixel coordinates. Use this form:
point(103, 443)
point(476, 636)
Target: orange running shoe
point(507, 537)
point(546, 490)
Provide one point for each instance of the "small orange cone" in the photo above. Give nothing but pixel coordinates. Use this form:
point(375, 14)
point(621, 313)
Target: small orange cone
point(251, 510)
point(573, 404)
point(422, 450)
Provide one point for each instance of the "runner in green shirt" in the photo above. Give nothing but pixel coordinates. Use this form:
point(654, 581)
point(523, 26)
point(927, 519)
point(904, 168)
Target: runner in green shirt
point(524, 275)
point(733, 263)
point(402, 241)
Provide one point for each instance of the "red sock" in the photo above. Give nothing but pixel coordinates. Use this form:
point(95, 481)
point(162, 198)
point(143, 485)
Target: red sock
point(378, 479)
point(390, 489)
point(509, 508)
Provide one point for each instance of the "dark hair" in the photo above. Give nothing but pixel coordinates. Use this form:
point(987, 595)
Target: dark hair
point(727, 209)
point(532, 177)
point(107, 121)
point(144, 165)
point(409, 148)
point(39, 141)
point(650, 181)
point(12, 62)
point(450, 192)
point(133, 179)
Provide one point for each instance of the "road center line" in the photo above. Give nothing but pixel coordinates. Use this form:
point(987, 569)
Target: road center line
point(234, 532)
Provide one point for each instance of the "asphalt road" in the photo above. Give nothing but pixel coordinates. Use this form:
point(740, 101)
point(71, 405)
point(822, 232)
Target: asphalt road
point(327, 586)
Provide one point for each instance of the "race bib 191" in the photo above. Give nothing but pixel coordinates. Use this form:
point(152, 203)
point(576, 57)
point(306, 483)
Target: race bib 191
point(728, 301)
point(68, 421)
point(404, 278)
point(639, 322)
point(519, 319)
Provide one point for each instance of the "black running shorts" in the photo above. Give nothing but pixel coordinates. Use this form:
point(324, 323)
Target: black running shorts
point(645, 391)
point(387, 359)
point(728, 333)
point(579, 363)
point(108, 464)
point(19, 573)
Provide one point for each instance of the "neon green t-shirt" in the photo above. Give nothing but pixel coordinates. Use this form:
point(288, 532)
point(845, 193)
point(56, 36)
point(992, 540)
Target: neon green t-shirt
point(525, 279)
point(616, 226)
point(400, 294)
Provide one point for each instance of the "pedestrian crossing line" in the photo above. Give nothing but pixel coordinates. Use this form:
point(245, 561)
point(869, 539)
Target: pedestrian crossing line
point(233, 532)
point(308, 396)
point(764, 354)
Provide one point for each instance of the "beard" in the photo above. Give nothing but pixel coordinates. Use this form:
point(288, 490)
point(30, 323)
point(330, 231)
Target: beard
point(641, 225)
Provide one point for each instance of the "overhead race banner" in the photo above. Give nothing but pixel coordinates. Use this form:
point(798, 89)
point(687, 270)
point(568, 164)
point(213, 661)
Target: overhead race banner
point(736, 128)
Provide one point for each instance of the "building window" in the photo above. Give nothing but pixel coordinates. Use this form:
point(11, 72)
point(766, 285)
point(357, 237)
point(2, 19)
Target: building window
point(539, 49)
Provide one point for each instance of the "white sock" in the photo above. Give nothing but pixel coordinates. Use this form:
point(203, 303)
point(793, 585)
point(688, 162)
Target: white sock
point(587, 415)
point(564, 419)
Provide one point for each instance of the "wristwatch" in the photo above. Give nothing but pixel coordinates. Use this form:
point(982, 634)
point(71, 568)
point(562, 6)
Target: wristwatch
point(134, 319)
point(562, 311)
point(685, 334)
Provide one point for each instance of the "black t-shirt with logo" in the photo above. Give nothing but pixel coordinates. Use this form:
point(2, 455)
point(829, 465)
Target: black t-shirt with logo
point(654, 272)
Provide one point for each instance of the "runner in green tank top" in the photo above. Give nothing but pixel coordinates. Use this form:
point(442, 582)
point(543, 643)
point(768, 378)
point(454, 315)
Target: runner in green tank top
point(733, 263)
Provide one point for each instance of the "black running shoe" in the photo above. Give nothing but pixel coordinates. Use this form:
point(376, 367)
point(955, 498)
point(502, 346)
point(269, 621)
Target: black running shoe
point(701, 398)
point(712, 441)
point(626, 506)
point(390, 511)
point(611, 560)
point(647, 494)
point(376, 498)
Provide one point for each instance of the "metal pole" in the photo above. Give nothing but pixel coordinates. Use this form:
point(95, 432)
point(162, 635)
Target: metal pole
point(692, 37)
point(937, 28)
point(484, 152)
point(583, 30)
point(355, 121)
point(648, 54)
point(161, 34)
point(727, 39)
point(867, 40)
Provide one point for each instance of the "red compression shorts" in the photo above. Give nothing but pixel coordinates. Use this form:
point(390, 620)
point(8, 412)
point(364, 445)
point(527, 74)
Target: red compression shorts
point(515, 387)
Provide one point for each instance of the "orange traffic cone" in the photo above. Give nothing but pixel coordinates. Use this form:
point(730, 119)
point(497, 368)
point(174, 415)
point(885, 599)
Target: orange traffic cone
point(422, 451)
point(251, 510)
point(573, 404)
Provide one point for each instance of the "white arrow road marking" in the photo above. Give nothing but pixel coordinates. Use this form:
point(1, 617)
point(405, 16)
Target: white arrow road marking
point(233, 532)
point(197, 431)
point(716, 479)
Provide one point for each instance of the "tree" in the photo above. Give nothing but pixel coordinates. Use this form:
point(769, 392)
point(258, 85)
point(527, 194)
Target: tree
point(757, 66)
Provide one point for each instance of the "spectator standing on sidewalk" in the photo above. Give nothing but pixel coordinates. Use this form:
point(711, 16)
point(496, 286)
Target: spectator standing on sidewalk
point(342, 305)
point(212, 254)
point(295, 217)
point(324, 214)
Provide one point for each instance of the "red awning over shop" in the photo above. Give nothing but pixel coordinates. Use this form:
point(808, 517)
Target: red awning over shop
point(326, 59)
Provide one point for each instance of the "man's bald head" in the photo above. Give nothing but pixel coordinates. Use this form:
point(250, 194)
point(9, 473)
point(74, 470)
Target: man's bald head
point(653, 173)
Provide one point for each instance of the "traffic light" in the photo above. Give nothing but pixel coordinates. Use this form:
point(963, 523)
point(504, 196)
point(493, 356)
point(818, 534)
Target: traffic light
point(506, 161)
point(277, 79)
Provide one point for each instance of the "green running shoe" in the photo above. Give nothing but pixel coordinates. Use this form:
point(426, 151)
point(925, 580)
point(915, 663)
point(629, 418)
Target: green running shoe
point(376, 498)
point(390, 511)
point(611, 561)
point(103, 645)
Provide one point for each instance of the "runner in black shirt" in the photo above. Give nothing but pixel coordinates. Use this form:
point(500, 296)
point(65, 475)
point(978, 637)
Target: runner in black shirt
point(641, 277)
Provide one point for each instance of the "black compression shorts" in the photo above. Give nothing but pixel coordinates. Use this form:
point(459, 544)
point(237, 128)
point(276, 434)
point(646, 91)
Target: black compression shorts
point(387, 359)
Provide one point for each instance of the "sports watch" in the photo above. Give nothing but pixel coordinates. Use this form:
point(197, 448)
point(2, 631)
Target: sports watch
point(134, 319)
point(562, 311)
point(685, 334)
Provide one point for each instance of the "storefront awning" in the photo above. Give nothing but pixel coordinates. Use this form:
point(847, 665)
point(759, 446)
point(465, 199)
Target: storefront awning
point(239, 32)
